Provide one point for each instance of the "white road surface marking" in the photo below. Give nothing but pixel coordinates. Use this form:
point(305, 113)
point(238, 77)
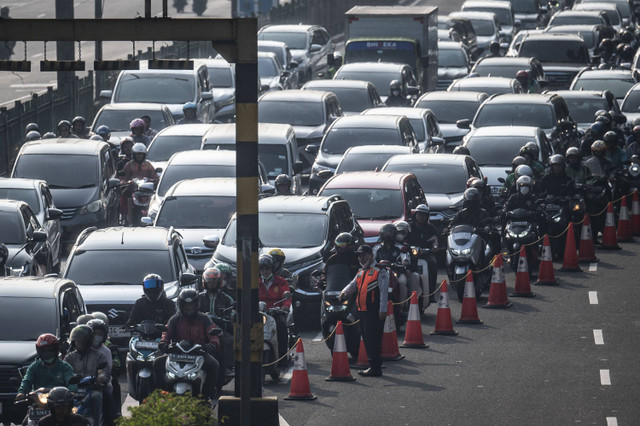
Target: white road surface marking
point(283, 422)
point(318, 337)
point(605, 378)
point(593, 297)
point(611, 421)
point(593, 267)
point(597, 337)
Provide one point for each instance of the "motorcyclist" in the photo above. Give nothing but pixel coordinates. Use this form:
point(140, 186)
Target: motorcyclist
point(126, 146)
point(137, 168)
point(79, 127)
point(115, 366)
point(192, 325)
point(33, 135)
point(345, 253)
point(474, 215)
point(606, 48)
point(279, 258)
point(190, 111)
point(575, 170)
point(227, 275)
point(104, 132)
point(4, 256)
point(508, 187)
point(556, 181)
point(138, 127)
point(49, 135)
point(599, 164)
point(633, 145)
point(148, 131)
point(494, 50)
point(272, 290)
point(283, 184)
point(616, 155)
point(486, 201)
point(530, 85)
point(523, 198)
point(153, 304)
point(100, 334)
point(424, 235)
point(531, 152)
point(60, 403)
point(30, 127)
point(396, 96)
point(64, 129)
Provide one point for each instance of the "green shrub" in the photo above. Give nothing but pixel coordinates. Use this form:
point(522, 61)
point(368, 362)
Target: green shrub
point(162, 408)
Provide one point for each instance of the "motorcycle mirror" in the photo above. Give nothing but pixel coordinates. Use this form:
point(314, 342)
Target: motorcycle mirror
point(501, 180)
point(287, 295)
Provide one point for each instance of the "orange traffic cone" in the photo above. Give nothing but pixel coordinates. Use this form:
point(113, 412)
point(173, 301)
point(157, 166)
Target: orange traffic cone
point(586, 251)
point(444, 325)
point(469, 313)
point(609, 237)
point(413, 337)
point(390, 350)
point(363, 359)
point(624, 224)
point(300, 379)
point(498, 293)
point(635, 214)
point(570, 259)
point(545, 273)
point(523, 286)
point(340, 364)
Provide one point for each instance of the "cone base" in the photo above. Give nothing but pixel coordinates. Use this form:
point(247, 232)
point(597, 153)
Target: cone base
point(546, 283)
point(522, 295)
point(444, 333)
point(340, 379)
point(309, 397)
point(392, 358)
point(594, 259)
point(414, 345)
point(498, 306)
point(571, 269)
point(469, 321)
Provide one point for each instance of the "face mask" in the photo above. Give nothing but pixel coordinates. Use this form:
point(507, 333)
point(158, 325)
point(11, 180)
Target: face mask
point(49, 360)
point(267, 277)
point(524, 190)
point(395, 93)
point(97, 340)
point(400, 238)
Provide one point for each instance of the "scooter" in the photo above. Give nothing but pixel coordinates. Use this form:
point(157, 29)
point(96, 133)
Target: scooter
point(141, 197)
point(143, 350)
point(82, 396)
point(184, 372)
point(556, 222)
point(420, 265)
point(466, 250)
point(520, 229)
point(38, 405)
point(270, 351)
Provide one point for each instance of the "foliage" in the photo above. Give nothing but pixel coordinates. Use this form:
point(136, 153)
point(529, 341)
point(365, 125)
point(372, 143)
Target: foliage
point(162, 408)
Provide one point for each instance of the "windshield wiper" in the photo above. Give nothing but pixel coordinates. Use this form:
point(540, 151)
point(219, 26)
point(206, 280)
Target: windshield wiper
point(53, 186)
point(89, 185)
point(110, 283)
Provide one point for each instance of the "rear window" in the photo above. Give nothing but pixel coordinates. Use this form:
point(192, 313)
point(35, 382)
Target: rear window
point(508, 71)
point(11, 228)
point(60, 171)
point(29, 196)
point(583, 110)
point(451, 58)
point(619, 87)
point(337, 140)
point(186, 212)
point(175, 174)
point(371, 203)
point(435, 178)
point(495, 151)
point(156, 88)
point(547, 51)
point(351, 100)
point(363, 162)
point(118, 120)
point(515, 115)
point(163, 147)
point(448, 112)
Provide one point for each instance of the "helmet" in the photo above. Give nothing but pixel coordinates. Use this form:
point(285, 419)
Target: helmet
point(395, 85)
point(636, 131)
point(60, 396)
point(98, 324)
point(599, 148)
point(388, 232)
point(212, 276)
point(610, 138)
point(557, 159)
point(606, 44)
point(137, 122)
point(573, 151)
point(526, 150)
point(225, 270)
point(33, 135)
point(518, 161)
point(421, 208)
point(189, 105)
point(278, 258)
point(597, 128)
point(4, 254)
point(403, 229)
point(84, 319)
point(139, 148)
point(47, 346)
point(522, 74)
point(461, 150)
point(479, 184)
point(470, 181)
point(32, 126)
point(627, 53)
point(64, 123)
point(344, 241)
point(127, 140)
point(494, 45)
point(524, 184)
point(49, 135)
point(266, 261)
point(153, 287)
point(471, 196)
point(283, 179)
point(523, 170)
point(103, 131)
point(606, 121)
point(82, 336)
point(78, 119)
point(96, 138)
point(188, 302)
point(534, 148)
point(101, 316)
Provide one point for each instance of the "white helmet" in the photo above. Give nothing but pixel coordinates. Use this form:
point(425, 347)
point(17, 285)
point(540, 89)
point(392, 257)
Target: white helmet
point(402, 225)
point(139, 148)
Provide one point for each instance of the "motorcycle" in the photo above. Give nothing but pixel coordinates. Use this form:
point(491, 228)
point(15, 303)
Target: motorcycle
point(82, 396)
point(270, 351)
point(38, 405)
point(142, 190)
point(420, 265)
point(520, 229)
point(143, 350)
point(467, 251)
point(199, 6)
point(184, 367)
point(556, 222)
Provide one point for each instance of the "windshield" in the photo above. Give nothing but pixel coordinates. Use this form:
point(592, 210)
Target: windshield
point(448, 112)
point(29, 196)
point(583, 110)
point(119, 266)
point(397, 52)
point(29, 318)
point(371, 203)
point(618, 86)
point(451, 58)
point(293, 113)
point(548, 51)
point(292, 40)
point(285, 230)
point(515, 115)
point(220, 77)
point(196, 212)
point(631, 102)
point(11, 228)
point(118, 120)
point(274, 159)
point(614, 17)
point(364, 162)
point(524, 6)
point(483, 27)
point(60, 171)
point(622, 6)
point(278, 50)
point(572, 19)
point(156, 88)
point(475, 85)
point(337, 141)
point(503, 15)
point(267, 68)
point(508, 71)
point(163, 147)
point(177, 173)
point(589, 37)
point(496, 150)
point(380, 80)
point(435, 178)
point(351, 100)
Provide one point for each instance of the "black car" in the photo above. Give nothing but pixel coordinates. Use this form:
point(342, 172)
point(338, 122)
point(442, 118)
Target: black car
point(29, 307)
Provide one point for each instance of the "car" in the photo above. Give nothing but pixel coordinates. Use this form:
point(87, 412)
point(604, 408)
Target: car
point(223, 86)
point(283, 54)
point(624, 8)
point(611, 10)
point(376, 198)
point(579, 17)
point(108, 266)
point(631, 104)
point(512, 51)
point(305, 228)
point(561, 55)
point(503, 11)
point(174, 139)
point(508, 67)
point(277, 149)
point(309, 45)
point(591, 34)
point(530, 14)
point(355, 130)
point(118, 117)
point(354, 95)
point(381, 74)
point(81, 177)
point(453, 63)
point(310, 112)
point(443, 179)
point(449, 108)
point(198, 208)
point(272, 75)
point(618, 82)
point(489, 85)
point(424, 123)
point(583, 104)
point(495, 147)
point(485, 25)
point(29, 307)
point(369, 157)
point(36, 194)
point(464, 29)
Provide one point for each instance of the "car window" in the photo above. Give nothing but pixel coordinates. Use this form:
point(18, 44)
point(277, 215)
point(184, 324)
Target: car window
point(472, 168)
point(30, 222)
point(317, 38)
point(334, 226)
point(48, 197)
point(181, 258)
point(414, 194)
point(70, 309)
point(408, 136)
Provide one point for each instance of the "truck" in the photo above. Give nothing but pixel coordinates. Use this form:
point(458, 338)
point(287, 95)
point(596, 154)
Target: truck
point(401, 34)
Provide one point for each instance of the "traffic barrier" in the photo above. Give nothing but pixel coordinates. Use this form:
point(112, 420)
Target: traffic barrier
point(17, 66)
point(522, 286)
point(116, 65)
point(498, 292)
point(413, 337)
point(586, 251)
point(570, 259)
point(167, 64)
point(300, 390)
point(48, 66)
point(609, 236)
point(340, 371)
point(624, 224)
point(469, 312)
point(390, 350)
point(545, 273)
point(444, 324)
point(363, 358)
point(635, 214)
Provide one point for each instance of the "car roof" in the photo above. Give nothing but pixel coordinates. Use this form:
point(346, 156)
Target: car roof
point(28, 287)
point(328, 84)
point(429, 158)
point(198, 157)
point(577, 12)
point(441, 95)
point(128, 106)
point(263, 54)
point(208, 187)
point(600, 5)
point(213, 62)
point(521, 98)
point(373, 180)
point(372, 67)
point(21, 183)
point(366, 121)
point(484, 82)
point(505, 61)
point(268, 133)
point(572, 28)
point(295, 204)
point(473, 15)
point(144, 70)
point(505, 131)
point(492, 3)
point(287, 28)
point(450, 45)
point(598, 74)
point(408, 112)
point(296, 95)
point(566, 94)
point(378, 149)
point(66, 146)
point(193, 129)
point(554, 37)
point(126, 238)
point(10, 205)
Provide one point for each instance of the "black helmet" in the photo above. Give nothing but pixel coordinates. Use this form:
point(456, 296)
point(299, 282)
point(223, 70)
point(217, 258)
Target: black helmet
point(98, 324)
point(472, 195)
point(494, 45)
point(557, 159)
point(610, 138)
point(153, 287)
point(82, 336)
point(4, 254)
point(344, 241)
point(518, 161)
point(606, 45)
point(30, 127)
point(395, 85)
point(33, 135)
point(572, 152)
point(84, 319)
point(461, 150)
point(59, 396)
point(599, 148)
point(64, 123)
point(283, 179)
point(188, 302)
point(78, 119)
point(388, 232)
point(49, 135)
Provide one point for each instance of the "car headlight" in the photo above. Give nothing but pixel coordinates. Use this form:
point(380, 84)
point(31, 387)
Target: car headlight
point(318, 168)
point(92, 207)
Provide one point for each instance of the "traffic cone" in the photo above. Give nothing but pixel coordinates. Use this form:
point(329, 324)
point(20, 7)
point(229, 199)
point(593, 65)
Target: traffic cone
point(390, 350)
point(570, 259)
point(300, 379)
point(363, 359)
point(469, 313)
point(498, 293)
point(609, 237)
point(624, 223)
point(586, 251)
point(523, 286)
point(635, 214)
point(340, 364)
point(444, 325)
point(413, 337)
point(545, 273)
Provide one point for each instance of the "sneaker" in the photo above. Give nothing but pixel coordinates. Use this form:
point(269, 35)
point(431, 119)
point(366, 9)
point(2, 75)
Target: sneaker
point(370, 372)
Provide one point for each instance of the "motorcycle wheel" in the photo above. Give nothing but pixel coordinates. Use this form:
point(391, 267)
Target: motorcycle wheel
point(459, 285)
point(329, 341)
point(144, 389)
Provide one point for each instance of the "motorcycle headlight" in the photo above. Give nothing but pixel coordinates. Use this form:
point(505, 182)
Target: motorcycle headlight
point(92, 207)
point(557, 219)
point(171, 375)
point(140, 357)
point(192, 376)
point(465, 252)
point(634, 170)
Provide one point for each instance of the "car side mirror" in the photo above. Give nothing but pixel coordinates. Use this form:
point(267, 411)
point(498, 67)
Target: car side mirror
point(437, 141)
point(465, 123)
point(112, 183)
point(146, 221)
point(292, 65)
point(315, 48)
point(311, 149)
point(325, 174)
point(211, 241)
point(517, 23)
point(413, 90)
point(187, 279)
point(106, 94)
point(298, 167)
point(206, 96)
point(38, 237)
point(54, 213)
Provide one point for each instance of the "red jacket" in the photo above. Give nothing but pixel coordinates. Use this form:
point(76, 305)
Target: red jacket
point(195, 329)
point(275, 292)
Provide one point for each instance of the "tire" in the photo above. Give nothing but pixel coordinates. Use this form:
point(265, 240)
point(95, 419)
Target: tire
point(459, 285)
point(329, 342)
point(144, 389)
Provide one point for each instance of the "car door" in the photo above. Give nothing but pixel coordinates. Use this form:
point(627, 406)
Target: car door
point(71, 307)
point(39, 251)
point(51, 226)
point(110, 195)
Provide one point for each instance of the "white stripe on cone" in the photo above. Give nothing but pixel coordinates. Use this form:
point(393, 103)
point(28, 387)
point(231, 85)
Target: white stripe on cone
point(413, 313)
point(522, 264)
point(443, 303)
point(498, 275)
point(390, 324)
point(469, 290)
point(609, 220)
point(339, 344)
point(299, 362)
point(586, 232)
point(624, 212)
point(546, 253)
point(635, 207)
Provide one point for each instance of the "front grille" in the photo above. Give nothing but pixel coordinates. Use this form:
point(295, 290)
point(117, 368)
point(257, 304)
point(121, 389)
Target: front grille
point(118, 314)
point(198, 253)
point(68, 213)
point(560, 79)
point(6, 373)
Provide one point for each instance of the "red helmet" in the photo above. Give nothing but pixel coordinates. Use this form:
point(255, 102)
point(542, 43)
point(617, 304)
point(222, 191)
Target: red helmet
point(47, 346)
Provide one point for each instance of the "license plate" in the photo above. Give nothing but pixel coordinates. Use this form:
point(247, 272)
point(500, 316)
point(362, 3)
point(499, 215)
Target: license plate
point(519, 223)
point(37, 414)
point(495, 189)
point(182, 358)
point(143, 344)
point(118, 331)
point(553, 207)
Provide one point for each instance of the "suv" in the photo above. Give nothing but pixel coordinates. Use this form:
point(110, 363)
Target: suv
point(109, 264)
point(81, 176)
point(508, 67)
point(503, 12)
point(29, 307)
point(118, 117)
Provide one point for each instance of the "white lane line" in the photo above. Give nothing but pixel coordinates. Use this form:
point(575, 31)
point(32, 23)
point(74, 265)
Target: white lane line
point(611, 421)
point(593, 297)
point(593, 267)
point(283, 422)
point(605, 378)
point(318, 337)
point(597, 337)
